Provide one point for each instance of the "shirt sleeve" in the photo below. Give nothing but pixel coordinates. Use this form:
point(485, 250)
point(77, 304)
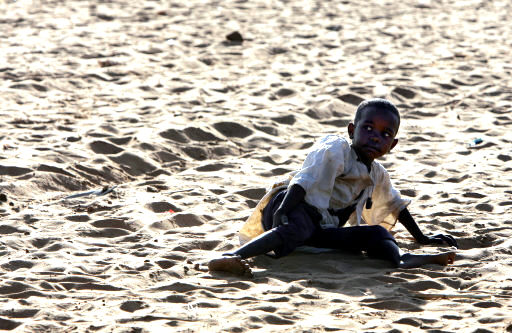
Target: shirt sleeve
point(318, 172)
point(387, 203)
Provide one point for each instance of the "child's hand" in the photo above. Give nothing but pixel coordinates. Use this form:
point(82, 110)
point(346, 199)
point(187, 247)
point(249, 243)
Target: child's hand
point(343, 214)
point(439, 239)
point(279, 218)
point(294, 195)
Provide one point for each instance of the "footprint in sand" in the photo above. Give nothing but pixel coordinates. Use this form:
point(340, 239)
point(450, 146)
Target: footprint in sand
point(78, 218)
point(454, 283)
point(121, 140)
point(394, 305)
point(404, 92)
point(478, 241)
point(30, 86)
point(18, 290)
point(412, 151)
point(278, 171)
point(174, 135)
point(484, 207)
point(186, 220)
point(162, 207)
point(408, 193)
point(180, 287)
point(487, 304)
point(41, 242)
point(197, 153)
point(417, 322)
point(7, 229)
point(176, 298)
point(284, 92)
point(13, 171)
point(165, 264)
point(53, 169)
point(277, 320)
point(208, 245)
point(132, 306)
point(270, 130)
point(181, 89)
point(8, 325)
point(457, 180)
point(213, 167)
point(102, 147)
point(105, 172)
point(133, 164)
point(473, 195)
point(18, 313)
point(423, 285)
point(277, 50)
point(178, 220)
point(253, 193)
point(409, 321)
point(114, 223)
point(198, 134)
point(266, 308)
point(285, 120)
point(275, 159)
point(14, 265)
point(351, 99)
point(231, 129)
point(89, 286)
point(165, 156)
point(104, 233)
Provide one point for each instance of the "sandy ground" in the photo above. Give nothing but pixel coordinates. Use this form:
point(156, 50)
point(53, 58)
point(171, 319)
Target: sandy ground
point(177, 132)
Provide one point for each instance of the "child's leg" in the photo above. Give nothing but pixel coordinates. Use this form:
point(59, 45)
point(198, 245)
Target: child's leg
point(285, 238)
point(385, 249)
point(231, 264)
point(416, 260)
point(282, 240)
point(384, 246)
point(234, 262)
point(388, 250)
point(355, 239)
point(378, 243)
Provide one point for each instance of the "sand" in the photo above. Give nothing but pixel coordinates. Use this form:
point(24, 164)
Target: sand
point(136, 138)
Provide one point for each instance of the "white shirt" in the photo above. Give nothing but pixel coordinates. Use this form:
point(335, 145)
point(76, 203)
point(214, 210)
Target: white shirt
point(334, 178)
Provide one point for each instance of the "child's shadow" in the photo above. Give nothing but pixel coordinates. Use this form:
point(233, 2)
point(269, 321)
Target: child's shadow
point(311, 273)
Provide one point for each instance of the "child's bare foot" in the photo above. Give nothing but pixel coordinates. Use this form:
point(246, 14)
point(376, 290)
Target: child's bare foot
point(416, 260)
point(232, 264)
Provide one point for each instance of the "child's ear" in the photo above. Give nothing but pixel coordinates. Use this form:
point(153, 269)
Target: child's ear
point(350, 129)
point(395, 141)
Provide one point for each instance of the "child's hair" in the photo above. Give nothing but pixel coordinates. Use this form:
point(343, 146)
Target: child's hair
point(380, 103)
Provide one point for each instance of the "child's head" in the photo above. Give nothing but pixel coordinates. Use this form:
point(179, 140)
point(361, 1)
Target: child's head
point(380, 103)
point(374, 129)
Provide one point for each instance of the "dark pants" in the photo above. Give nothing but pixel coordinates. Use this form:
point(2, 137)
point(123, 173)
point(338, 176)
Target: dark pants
point(304, 229)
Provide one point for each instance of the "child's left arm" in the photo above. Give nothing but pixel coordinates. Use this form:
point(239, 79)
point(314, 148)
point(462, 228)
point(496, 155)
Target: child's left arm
point(408, 222)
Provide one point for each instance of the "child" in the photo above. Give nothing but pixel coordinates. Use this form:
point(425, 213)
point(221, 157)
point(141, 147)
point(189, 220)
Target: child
point(338, 183)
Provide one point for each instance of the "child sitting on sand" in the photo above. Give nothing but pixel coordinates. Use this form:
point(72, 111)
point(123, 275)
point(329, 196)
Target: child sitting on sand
point(338, 183)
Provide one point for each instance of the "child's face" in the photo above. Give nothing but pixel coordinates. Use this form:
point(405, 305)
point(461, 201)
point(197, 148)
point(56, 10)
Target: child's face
point(374, 134)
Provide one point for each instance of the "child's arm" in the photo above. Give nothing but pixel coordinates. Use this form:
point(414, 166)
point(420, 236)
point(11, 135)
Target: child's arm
point(408, 221)
point(294, 195)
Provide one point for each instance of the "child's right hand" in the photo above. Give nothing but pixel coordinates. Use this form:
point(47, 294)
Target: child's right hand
point(343, 214)
point(279, 218)
point(294, 195)
point(439, 239)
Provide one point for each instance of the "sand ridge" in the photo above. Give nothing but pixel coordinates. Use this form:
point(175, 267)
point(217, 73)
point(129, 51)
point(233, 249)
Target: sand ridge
point(168, 133)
